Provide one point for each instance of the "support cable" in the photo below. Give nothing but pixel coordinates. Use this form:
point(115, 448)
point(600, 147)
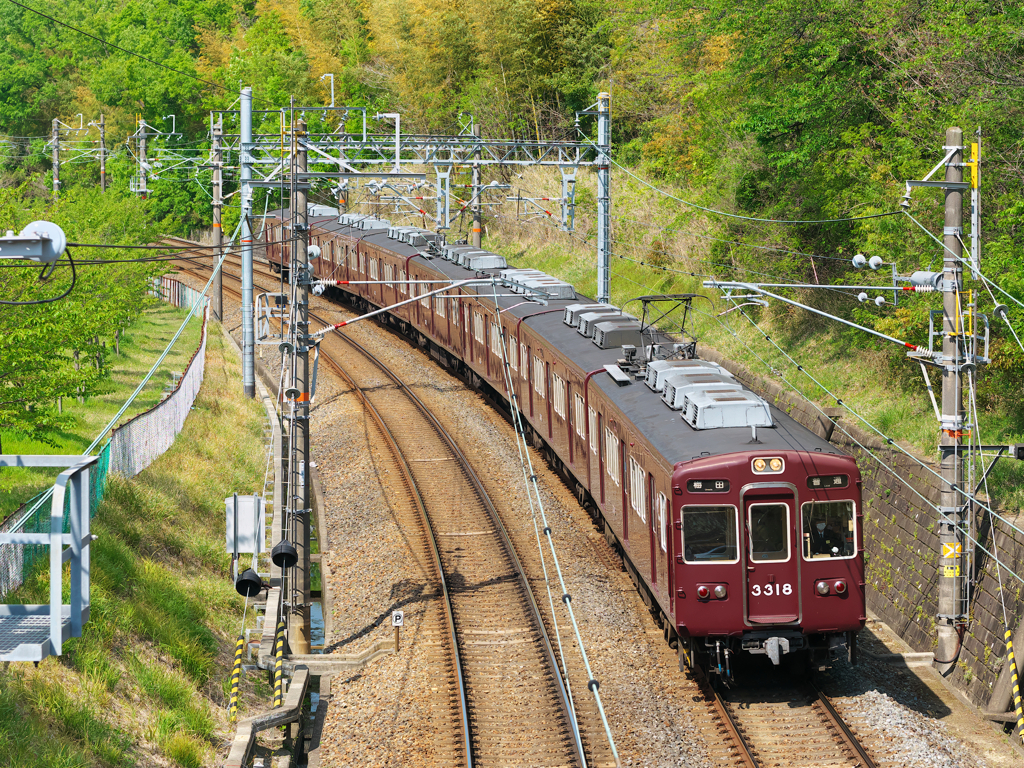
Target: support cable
point(131, 398)
point(736, 215)
point(865, 449)
point(530, 476)
point(892, 443)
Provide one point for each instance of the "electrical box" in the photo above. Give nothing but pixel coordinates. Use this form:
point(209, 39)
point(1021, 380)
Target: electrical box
point(246, 515)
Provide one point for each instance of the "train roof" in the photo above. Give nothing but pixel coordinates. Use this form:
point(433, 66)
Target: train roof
point(672, 436)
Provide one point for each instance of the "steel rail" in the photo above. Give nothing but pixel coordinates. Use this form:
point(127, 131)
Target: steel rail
point(842, 728)
point(731, 726)
point(492, 513)
point(418, 499)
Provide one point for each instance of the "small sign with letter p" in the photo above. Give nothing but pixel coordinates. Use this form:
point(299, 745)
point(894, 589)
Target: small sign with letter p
point(397, 618)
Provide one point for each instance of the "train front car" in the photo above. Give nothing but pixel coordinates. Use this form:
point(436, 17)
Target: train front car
point(770, 558)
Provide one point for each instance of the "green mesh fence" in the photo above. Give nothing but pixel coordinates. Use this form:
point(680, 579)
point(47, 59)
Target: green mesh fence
point(18, 560)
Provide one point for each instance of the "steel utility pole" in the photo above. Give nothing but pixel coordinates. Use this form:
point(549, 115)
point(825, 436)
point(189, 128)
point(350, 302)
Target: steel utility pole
point(476, 191)
point(103, 154)
point(55, 159)
point(604, 159)
point(299, 626)
point(950, 576)
point(143, 191)
point(248, 337)
point(218, 231)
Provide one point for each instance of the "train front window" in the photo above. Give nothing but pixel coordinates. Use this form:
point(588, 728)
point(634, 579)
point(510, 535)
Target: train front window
point(709, 534)
point(829, 529)
point(769, 532)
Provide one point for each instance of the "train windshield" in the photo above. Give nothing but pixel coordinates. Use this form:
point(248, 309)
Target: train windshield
point(829, 529)
point(769, 532)
point(709, 534)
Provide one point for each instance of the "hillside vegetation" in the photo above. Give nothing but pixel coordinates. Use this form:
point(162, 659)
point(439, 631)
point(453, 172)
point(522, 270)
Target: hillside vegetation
point(773, 111)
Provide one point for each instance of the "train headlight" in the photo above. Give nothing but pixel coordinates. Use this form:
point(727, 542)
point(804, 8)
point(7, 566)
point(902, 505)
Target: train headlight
point(771, 465)
point(703, 592)
point(721, 591)
point(822, 587)
point(839, 587)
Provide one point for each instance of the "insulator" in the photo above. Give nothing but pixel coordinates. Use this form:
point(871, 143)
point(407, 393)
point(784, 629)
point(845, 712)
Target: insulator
point(875, 262)
point(859, 261)
point(862, 297)
point(879, 301)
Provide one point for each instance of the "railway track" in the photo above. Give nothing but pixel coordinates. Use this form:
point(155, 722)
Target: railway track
point(512, 704)
point(781, 725)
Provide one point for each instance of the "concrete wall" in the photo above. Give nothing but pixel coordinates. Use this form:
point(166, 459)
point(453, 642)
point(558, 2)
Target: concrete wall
point(902, 544)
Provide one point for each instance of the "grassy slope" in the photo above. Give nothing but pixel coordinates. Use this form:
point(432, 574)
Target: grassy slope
point(140, 346)
point(891, 398)
point(147, 684)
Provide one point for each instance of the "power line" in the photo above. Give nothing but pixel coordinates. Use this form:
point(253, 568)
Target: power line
point(736, 215)
point(118, 47)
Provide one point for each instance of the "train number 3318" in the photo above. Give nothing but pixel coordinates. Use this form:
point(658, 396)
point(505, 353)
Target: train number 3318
point(771, 589)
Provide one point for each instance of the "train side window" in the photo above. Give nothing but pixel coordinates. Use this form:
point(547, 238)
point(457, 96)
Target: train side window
point(558, 395)
point(769, 532)
point(439, 302)
point(524, 356)
point(496, 340)
point(579, 415)
point(513, 353)
point(829, 529)
point(455, 312)
point(611, 456)
point(478, 327)
point(538, 376)
point(403, 286)
point(592, 423)
point(662, 507)
point(710, 534)
point(637, 495)
point(373, 269)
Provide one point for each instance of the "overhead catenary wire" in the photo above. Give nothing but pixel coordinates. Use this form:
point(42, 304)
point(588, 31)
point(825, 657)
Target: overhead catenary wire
point(969, 497)
point(776, 372)
point(736, 215)
point(131, 398)
point(533, 492)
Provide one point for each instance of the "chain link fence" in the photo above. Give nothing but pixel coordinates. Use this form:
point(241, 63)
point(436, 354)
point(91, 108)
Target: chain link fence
point(132, 447)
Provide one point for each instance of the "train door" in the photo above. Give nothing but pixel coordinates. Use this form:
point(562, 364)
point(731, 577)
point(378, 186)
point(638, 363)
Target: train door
point(600, 453)
point(772, 572)
point(623, 481)
point(551, 394)
point(652, 516)
point(529, 380)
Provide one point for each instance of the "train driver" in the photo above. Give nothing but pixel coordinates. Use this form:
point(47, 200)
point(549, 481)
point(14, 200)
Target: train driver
point(824, 541)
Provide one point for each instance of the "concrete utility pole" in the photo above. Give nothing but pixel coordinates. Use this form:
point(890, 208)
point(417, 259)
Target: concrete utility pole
point(218, 231)
point(103, 154)
point(476, 191)
point(248, 336)
point(55, 159)
point(143, 191)
point(299, 629)
point(950, 576)
point(604, 148)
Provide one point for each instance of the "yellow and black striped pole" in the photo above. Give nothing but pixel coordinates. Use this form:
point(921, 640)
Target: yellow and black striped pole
point(236, 675)
point(1016, 685)
point(278, 666)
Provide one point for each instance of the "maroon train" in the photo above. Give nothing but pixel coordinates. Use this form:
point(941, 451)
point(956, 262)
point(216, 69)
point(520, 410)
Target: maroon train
point(741, 528)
